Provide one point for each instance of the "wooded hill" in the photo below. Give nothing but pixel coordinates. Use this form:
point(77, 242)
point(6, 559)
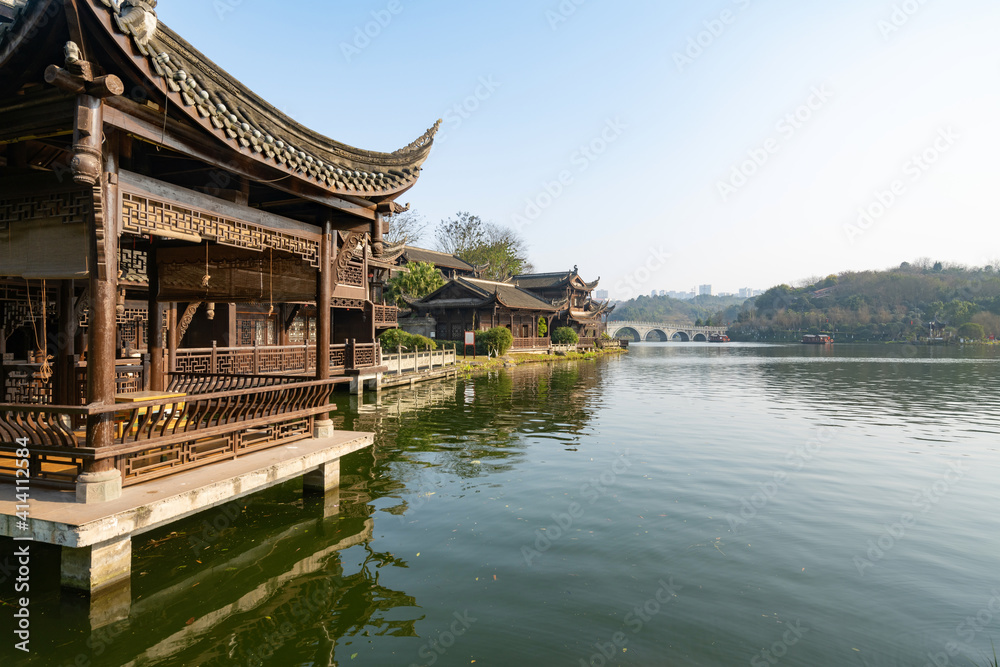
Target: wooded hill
point(667, 309)
point(904, 303)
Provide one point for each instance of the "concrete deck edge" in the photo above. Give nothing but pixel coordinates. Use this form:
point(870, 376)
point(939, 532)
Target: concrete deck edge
point(76, 525)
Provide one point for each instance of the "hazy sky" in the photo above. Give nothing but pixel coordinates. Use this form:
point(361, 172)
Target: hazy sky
point(664, 144)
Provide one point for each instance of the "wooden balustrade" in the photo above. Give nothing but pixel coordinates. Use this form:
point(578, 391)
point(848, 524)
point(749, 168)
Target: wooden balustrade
point(385, 316)
point(204, 383)
point(160, 437)
point(259, 360)
point(531, 344)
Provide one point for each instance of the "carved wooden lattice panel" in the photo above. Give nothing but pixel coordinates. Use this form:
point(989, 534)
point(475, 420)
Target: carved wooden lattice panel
point(143, 215)
point(338, 357)
point(364, 356)
point(132, 264)
point(68, 207)
point(352, 274)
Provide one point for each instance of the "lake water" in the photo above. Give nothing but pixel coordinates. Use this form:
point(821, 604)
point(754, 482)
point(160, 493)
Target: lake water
point(686, 504)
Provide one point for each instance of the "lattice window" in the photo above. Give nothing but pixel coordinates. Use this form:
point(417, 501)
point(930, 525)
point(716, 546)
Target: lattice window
point(302, 330)
point(352, 274)
point(245, 332)
point(132, 264)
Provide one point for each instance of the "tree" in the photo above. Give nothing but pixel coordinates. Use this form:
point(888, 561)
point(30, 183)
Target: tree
point(422, 279)
point(406, 227)
point(971, 331)
point(500, 249)
point(543, 326)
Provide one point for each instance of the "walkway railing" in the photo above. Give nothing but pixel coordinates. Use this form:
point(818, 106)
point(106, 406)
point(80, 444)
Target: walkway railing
point(259, 360)
point(411, 362)
point(160, 437)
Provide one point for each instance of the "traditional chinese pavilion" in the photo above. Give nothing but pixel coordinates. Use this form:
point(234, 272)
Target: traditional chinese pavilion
point(572, 296)
point(450, 266)
point(471, 304)
point(186, 271)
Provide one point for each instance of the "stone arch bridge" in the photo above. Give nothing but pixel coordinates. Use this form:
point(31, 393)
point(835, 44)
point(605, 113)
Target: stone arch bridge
point(660, 332)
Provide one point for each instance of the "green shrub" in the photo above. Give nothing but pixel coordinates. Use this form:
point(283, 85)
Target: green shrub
point(565, 336)
point(496, 341)
point(393, 339)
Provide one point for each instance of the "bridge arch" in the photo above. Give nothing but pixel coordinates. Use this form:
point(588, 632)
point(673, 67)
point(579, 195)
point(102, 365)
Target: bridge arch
point(680, 337)
point(628, 333)
point(700, 338)
point(656, 336)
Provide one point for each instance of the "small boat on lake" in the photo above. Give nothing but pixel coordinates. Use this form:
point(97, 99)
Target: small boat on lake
point(718, 338)
point(817, 339)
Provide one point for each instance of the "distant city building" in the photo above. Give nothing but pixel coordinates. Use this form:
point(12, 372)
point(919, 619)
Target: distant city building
point(725, 294)
point(746, 292)
point(601, 295)
point(704, 290)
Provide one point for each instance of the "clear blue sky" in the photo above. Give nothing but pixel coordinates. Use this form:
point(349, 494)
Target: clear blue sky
point(887, 81)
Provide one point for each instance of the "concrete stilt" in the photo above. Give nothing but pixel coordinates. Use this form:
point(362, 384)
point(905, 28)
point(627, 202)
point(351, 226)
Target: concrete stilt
point(98, 487)
point(323, 479)
point(323, 428)
point(98, 567)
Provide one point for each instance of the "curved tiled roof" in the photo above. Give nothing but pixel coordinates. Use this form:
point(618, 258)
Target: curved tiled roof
point(414, 254)
point(224, 107)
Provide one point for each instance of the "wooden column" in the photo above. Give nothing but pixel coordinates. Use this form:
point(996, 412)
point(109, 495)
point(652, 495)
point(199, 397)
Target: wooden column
point(103, 266)
point(154, 325)
point(172, 337)
point(324, 293)
point(65, 377)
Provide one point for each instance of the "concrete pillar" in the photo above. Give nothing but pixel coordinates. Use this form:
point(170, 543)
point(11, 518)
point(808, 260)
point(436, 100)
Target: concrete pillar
point(357, 385)
point(323, 479)
point(99, 486)
point(323, 428)
point(99, 567)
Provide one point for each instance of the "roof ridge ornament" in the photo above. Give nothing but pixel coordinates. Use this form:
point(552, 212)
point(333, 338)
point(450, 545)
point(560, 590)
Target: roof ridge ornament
point(137, 18)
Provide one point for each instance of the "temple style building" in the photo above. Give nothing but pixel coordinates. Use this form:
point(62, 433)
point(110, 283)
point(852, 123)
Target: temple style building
point(470, 304)
point(572, 297)
point(450, 266)
point(186, 271)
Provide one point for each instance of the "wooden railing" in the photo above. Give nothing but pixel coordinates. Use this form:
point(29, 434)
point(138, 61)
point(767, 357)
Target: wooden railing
point(22, 382)
point(531, 344)
point(385, 316)
point(406, 362)
point(259, 360)
point(160, 437)
point(204, 383)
